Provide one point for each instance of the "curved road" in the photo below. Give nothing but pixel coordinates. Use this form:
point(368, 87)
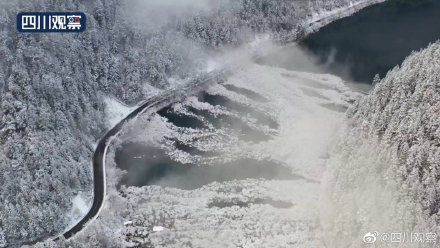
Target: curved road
point(152, 105)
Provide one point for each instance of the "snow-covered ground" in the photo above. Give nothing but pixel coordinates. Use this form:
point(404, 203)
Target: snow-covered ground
point(307, 108)
point(115, 111)
point(80, 206)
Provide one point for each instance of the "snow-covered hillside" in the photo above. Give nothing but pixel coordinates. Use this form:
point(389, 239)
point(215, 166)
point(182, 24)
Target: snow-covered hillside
point(384, 173)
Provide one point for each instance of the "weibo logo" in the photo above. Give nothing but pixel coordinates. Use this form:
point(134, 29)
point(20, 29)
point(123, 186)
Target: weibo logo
point(370, 238)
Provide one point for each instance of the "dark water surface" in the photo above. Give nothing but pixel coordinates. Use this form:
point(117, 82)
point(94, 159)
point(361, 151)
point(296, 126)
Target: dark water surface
point(147, 165)
point(372, 41)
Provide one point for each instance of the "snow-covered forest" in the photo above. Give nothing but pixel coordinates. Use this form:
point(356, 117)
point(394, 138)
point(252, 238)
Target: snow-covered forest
point(383, 175)
point(53, 91)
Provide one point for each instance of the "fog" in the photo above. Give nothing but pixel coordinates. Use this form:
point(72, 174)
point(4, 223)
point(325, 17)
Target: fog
point(297, 57)
point(151, 15)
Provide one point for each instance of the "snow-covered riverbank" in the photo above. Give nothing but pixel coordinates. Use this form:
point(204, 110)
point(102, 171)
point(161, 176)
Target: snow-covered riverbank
point(320, 18)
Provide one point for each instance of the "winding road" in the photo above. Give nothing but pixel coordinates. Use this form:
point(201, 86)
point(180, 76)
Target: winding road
point(152, 105)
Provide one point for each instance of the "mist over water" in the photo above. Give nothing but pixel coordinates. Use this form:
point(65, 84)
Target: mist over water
point(143, 168)
point(377, 38)
point(152, 165)
point(371, 42)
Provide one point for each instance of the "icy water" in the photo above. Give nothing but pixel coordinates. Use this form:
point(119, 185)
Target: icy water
point(142, 168)
point(370, 42)
point(151, 165)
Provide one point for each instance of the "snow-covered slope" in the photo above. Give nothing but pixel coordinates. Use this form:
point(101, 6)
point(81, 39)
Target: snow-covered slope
point(384, 173)
point(116, 111)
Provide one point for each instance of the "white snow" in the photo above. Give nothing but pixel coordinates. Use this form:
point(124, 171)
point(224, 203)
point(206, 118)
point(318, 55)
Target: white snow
point(211, 65)
point(116, 111)
point(259, 39)
point(81, 204)
point(158, 228)
point(306, 126)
